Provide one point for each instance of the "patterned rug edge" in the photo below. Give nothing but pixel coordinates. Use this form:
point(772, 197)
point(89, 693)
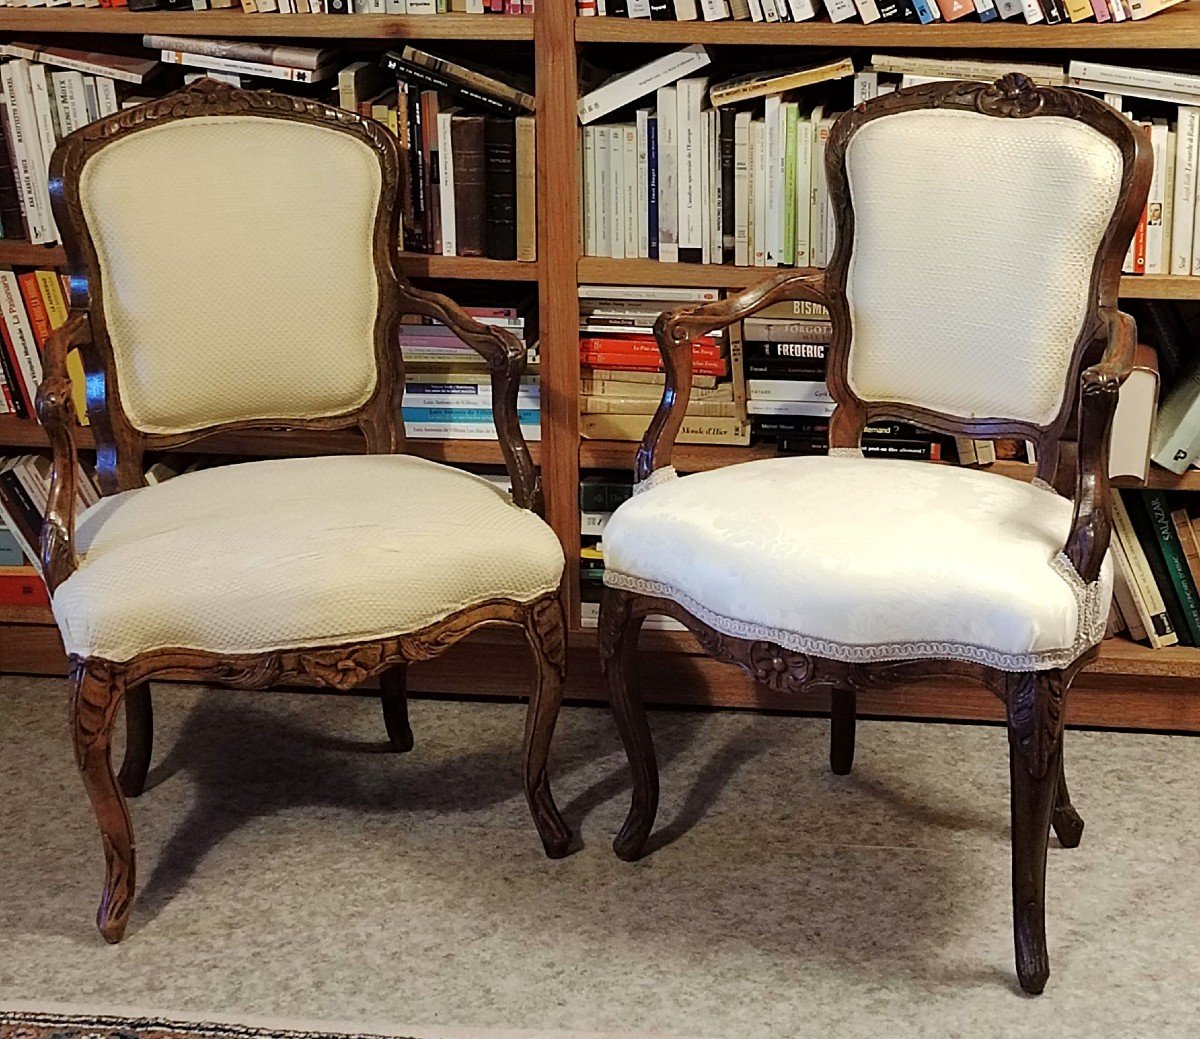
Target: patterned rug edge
point(18, 1021)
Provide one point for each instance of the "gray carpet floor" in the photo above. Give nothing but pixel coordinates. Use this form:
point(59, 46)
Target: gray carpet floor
point(292, 868)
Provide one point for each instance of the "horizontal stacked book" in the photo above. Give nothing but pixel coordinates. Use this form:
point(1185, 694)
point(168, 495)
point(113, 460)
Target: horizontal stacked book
point(622, 372)
point(687, 167)
point(1032, 12)
point(389, 7)
point(447, 385)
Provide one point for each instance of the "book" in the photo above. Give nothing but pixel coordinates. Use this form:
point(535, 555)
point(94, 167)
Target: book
point(698, 430)
point(467, 135)
point(251, 51)
point(500, 170)
point(526, 155)
point(1158, 512)
point(249, 68)
point(423, 77)
point(1141, 575)
point(120, 67)
point(1176, 441)
point(488, 82)
point(1133, 422)
point(759, 84)
point(1147, 535)
point(624, 89)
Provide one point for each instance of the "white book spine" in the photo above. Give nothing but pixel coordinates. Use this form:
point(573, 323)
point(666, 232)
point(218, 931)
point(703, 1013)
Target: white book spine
point(802, 10)
point(714, 10)
point(1168, 216)
point(716, 244)
point(603, 193)
point(1186, 150)
point(741, 189)
point(629, 189)
point(773, 183)
point(446, 184)
point(106, 96)
point(840, 10)
point(30, 172)
point(616, 192)
point(685, 10)
point(758, 142)
point(816, 218)
point(1008, 8)
point(756, 10)
point(591, 240)
point(866, 86)
point(1156, 200)
point(803, 193)
point(705, 196)
point(643, 183)
point(787, 389)
point(868, 11)
point(1032, 11)
point(668, 175)
point(770, 12)
point(690, 97)
point(639, 8)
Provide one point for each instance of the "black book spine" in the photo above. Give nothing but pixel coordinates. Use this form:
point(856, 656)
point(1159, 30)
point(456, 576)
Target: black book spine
point(662, 11)
point(793, 352)
point(617, 8)
point(14, 387)
point(500, 171)
point(144, 5)
point(422, 76)
point(416, 174)
point(728, 233)
point(27, 514)
point(1148, 539)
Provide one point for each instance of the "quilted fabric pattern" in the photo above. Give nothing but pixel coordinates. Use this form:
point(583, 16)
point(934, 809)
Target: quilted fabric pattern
point(864, 560)
point(296, 553)
point(974, 243)
point(237, 273)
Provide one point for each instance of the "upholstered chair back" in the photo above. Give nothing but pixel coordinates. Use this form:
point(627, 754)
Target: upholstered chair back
point(973, 269)
point(236, 269)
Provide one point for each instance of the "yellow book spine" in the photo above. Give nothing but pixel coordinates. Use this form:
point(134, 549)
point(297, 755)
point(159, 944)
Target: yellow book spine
point(57, 312)
point(1079, 10)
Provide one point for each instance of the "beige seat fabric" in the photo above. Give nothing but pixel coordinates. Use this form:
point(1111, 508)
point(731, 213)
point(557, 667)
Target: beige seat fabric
point(864, 560)
point(295, 553)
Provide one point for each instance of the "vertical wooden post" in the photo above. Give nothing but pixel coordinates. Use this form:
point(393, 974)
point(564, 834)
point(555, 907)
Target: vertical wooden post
point(558, 256)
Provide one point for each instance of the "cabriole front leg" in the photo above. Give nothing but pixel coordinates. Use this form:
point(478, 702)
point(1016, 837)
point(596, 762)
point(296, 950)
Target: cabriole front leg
point(619, 630)
point(546, 631)
point(96, 694)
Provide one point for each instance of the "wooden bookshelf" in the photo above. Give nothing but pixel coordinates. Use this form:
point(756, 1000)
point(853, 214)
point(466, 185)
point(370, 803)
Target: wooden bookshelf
point(1129, 685)
point(235, 23)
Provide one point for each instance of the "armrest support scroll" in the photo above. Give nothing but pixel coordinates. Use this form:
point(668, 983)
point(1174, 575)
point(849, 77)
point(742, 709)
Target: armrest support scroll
point(1091, 525)
point(677, 329)
point(56, 413)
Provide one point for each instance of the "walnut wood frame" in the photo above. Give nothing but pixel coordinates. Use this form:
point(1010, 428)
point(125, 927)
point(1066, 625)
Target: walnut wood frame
point(1101, 361)
point(99, 686)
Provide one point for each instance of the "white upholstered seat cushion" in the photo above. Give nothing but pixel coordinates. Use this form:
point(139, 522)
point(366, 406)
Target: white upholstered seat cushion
point(295, 553)
point(865, 560)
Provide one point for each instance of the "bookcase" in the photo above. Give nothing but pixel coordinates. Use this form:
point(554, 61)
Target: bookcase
point(1130, 685)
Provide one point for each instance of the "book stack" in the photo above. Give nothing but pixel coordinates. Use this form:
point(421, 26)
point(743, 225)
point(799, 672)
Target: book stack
point(33, 304)
point(622, 375)
point(723, 172)
point(1032, 12)
point(45, 94)
point(24, 487)
point(447, 385)
point(388, 7)
point(468, 137)
point(1156, 559)
point(242, 63)
point(787, 396)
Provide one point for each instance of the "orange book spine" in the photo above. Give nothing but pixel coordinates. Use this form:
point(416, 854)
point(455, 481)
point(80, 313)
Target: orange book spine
point(35, 307)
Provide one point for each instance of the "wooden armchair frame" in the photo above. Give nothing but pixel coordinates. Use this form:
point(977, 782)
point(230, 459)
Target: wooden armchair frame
point(99, 686)
point(1102, 359)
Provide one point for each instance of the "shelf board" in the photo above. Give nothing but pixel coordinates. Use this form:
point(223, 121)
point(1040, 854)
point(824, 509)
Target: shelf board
point(223, 23)
point(1176, 28)
point(28, 435)
point(415, 265)
point(602, 271)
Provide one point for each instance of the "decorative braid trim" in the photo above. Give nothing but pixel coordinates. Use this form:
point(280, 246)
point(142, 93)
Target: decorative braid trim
point(660, 476)
point(1042, 485)
point(1089, 632)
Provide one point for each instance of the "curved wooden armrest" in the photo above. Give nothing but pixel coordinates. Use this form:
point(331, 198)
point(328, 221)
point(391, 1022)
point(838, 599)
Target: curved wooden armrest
point(1091, 526)
point(505, 356)
point(56, 412)
point(677, 329)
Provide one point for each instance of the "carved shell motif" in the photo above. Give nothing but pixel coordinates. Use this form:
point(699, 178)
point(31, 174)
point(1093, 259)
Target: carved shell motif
point(1014, 95)
point(783, 670)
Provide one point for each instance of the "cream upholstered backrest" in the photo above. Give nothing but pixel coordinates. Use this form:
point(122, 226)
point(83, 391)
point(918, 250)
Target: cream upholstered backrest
point(975, 239)
point(236, 269)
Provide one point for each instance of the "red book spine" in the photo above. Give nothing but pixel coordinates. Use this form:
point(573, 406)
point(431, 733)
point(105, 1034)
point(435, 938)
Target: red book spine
point(35, 307)
point(1139, 246)
point(638, 345)
point(23, 589)
point(21, 388)
point(643, 363)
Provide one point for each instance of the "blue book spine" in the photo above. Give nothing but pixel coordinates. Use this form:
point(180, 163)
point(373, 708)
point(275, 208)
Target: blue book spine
point(526, 418)
point(924, 11)
point(652, 192)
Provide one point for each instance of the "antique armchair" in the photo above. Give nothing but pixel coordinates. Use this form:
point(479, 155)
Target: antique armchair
point(234, 268)
point(973, 290)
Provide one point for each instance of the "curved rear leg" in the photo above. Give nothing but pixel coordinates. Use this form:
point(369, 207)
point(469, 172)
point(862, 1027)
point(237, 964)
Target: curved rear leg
point(619, 631)
point(546, 631)
point(1068, 825)
point(393, 696)
point(843, 711)
point(139, 739)
point(96, 693)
